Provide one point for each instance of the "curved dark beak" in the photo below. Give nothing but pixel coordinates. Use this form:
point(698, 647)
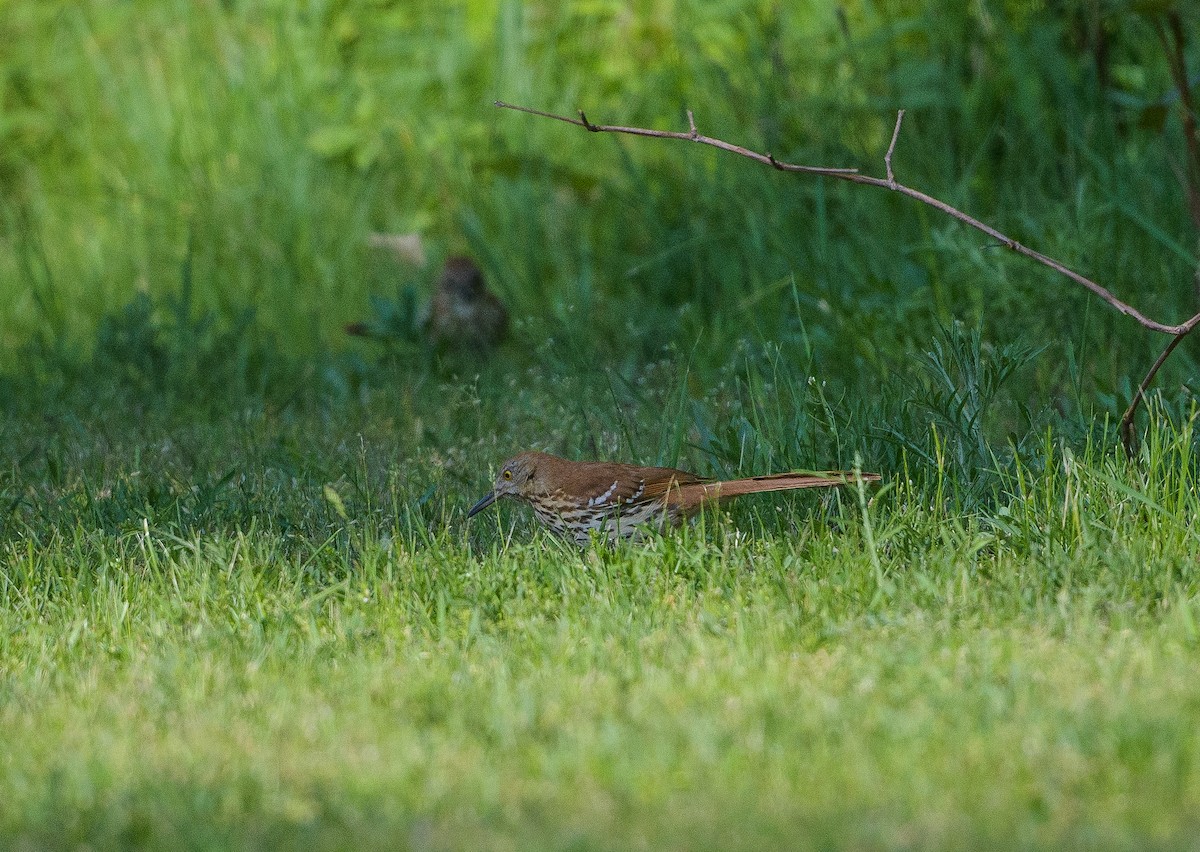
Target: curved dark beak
point(482, 504)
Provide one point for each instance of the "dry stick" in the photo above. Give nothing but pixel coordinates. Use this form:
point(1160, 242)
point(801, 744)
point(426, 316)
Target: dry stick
point(1189, 180)
point(1126, 430)
point(887, 158)
point(693, 135)
point(1128, 442)
point(888, 183)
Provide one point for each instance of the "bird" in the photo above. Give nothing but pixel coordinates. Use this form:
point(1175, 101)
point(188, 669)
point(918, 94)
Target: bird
point(577, 499)
point(463, 313)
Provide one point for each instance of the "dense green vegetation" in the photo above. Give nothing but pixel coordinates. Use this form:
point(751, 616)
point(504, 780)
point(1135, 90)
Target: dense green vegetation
point(240, 605)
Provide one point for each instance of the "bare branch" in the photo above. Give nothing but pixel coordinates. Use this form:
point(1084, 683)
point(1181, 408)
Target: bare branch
point(691, 135)
point(889, 183)
point(1126, 429)
point(887, 158)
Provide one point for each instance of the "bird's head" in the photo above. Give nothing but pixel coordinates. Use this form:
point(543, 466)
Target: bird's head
point(515, 479)
point(462, 278)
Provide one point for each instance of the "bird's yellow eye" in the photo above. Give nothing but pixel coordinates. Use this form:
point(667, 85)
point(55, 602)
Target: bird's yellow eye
point(508, 474)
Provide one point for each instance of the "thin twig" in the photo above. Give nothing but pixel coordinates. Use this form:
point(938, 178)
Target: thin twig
point(887, 158)
point(691, 135)
point(853, 176)
point(1126, 429)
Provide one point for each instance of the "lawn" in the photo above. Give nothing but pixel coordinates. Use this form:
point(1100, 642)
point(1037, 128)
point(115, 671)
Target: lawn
point(241, 605)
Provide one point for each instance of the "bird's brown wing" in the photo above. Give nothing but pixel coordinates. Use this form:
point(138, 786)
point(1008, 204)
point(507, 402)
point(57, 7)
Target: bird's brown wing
point(610, 486)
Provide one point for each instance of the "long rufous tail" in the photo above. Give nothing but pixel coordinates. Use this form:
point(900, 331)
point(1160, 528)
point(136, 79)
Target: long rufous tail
point(696, 493)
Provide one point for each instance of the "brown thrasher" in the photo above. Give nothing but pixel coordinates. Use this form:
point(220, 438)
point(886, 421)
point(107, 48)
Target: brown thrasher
point(616, 500)
point(463, 313)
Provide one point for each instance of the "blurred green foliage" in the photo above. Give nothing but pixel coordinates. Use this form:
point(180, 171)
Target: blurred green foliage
point(272, 137)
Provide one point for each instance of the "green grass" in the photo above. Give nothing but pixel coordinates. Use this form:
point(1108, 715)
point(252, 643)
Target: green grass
point(240, 604)
point(193, 658)
point(723, 696)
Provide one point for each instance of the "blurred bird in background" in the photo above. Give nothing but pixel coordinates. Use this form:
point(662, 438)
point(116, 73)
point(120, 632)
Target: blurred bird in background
point(462, 315)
